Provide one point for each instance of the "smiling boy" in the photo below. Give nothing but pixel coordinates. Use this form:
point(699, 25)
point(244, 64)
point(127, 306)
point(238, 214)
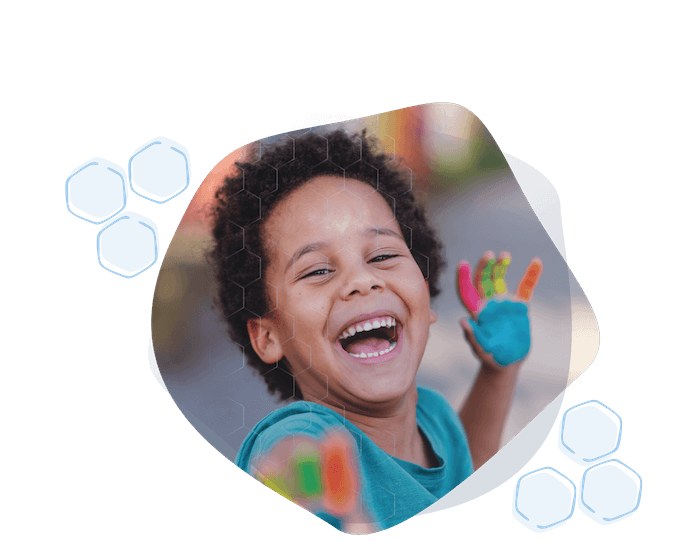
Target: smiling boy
point(349, 266)
point(337, 318)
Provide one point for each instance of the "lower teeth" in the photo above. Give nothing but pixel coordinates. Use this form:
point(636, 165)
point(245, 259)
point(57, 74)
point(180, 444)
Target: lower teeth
point(366, 355)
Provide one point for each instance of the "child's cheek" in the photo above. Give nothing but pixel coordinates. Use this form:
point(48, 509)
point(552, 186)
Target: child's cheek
point(285, 324)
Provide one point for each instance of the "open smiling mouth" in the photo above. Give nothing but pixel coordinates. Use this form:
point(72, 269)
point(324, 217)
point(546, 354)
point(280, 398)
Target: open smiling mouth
point(367, 340)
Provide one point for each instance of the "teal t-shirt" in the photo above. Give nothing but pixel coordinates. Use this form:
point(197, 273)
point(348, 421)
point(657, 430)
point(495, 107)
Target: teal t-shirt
point(393, 490)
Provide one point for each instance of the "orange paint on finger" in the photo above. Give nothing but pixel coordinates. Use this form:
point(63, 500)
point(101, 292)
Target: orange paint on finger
point(339, 478)
point(529, 281)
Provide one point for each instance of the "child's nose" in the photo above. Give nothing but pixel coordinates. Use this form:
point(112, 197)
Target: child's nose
point(362, 282)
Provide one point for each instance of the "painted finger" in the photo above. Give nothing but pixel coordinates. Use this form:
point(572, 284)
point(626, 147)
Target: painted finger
point(529, 281)
point(292, 468)
point(266, 471)
point(308, 470)
point(339, 475)
point(482, 275)
point(276, 483)
point(475, 336)
point(467, 290)
point(499, 273)
point(487, 279)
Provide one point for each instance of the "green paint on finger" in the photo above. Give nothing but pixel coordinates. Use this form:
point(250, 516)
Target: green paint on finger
point(486, 280)
point(309, 475)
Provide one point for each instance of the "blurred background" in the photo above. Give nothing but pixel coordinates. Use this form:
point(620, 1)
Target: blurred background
point(474, 202)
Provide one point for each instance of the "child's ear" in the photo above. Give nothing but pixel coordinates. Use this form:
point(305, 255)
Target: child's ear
point(433, 315)
point(264, 339)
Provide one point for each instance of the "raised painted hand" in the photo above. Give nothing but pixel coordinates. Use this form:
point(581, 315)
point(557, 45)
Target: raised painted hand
point(499, 327)
point(320, 476)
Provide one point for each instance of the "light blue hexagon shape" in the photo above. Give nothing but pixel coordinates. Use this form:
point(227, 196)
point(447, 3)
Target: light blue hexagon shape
point(159, 170)
point(590, 431)
point(96, 191)
point(128, 246)
point(544, 499)
point(610, 491)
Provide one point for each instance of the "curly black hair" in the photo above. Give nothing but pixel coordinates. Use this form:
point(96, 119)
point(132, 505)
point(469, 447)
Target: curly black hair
point(247, 199)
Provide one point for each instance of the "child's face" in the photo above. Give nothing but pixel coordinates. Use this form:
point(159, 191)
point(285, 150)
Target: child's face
point(338, 259)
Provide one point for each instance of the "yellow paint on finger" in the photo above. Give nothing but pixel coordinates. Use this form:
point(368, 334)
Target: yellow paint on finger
point(279, 486)
point(499, 274)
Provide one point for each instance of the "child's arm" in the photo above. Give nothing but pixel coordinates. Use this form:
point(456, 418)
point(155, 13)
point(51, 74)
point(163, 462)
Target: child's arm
point(499, 334)
point(485, 410)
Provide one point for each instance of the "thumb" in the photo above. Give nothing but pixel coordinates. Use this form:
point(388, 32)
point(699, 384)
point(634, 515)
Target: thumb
point(361, 526)
point(474, 335)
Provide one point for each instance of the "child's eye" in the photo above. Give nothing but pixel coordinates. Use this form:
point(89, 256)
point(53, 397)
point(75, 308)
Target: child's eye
point(321, 272)
point(383, 257)
point(317, 272)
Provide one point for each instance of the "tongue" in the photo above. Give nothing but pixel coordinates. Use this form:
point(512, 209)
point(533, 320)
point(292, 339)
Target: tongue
point(368, 345)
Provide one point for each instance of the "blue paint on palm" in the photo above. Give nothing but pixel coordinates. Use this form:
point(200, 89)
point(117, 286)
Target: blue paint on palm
point(503, 330)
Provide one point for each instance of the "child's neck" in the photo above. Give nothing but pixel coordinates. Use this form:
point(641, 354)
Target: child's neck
point(395, 430)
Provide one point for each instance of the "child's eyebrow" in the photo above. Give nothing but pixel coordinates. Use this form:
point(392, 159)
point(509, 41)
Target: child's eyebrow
point(316, 246)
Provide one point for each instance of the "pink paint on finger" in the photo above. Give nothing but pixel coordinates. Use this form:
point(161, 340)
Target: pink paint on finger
point(467, 290)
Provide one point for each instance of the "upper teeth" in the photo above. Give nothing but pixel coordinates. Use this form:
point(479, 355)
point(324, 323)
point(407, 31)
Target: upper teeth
point(352, 330)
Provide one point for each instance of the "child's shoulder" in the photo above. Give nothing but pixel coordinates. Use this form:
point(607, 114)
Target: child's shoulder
point(297, 419)
point(429, 398)
point(307, 417)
